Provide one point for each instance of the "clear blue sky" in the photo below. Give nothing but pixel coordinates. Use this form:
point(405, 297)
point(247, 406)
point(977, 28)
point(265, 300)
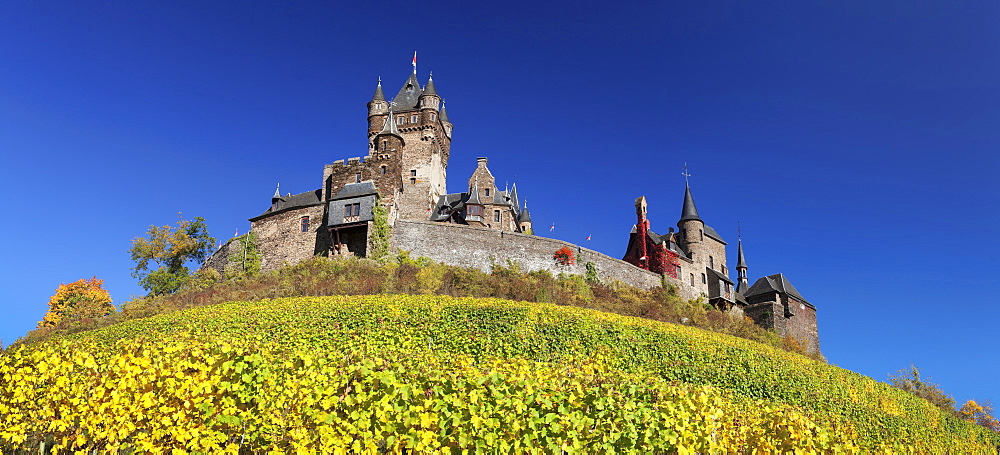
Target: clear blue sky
point(856, 142)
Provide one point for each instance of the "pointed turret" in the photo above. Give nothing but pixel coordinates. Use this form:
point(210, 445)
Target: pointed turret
point(474, 194)
point(429, 101)
point(524, 220)
point(741, 268)
point(429, 88)
point(390, 125)
point(388, 140)
point(379, 95)
point(277, 193)
point(689, 211)
point(444, 114)
point(377, 109)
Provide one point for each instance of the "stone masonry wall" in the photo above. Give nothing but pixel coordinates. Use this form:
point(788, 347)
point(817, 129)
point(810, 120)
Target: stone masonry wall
point(467, 246)
point(280, 238)
point(802, 325)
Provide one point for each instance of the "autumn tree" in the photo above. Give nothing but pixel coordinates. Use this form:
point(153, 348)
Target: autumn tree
point(80, 299)
point(910, 381)
point(162, 256)
point(979, 414)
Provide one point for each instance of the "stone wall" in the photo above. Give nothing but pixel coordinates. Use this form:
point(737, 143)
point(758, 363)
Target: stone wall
point(467, 246)
point(280, 238)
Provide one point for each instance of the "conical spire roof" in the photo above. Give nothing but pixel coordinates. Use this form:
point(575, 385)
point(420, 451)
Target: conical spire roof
point(390, 125)
point(474, 194)
point(689, 211)
point(408, 94)
point(379, 95)
point(444, 113)
point(429, 88)
point(524, 216)
point(740, 262)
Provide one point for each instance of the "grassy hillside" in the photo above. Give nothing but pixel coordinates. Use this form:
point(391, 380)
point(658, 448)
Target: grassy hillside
point(370, 373)
point(322, 277)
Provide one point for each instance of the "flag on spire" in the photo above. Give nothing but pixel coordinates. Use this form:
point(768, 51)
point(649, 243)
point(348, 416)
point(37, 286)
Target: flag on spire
point(414, 62)
point(588, 237)
point(237, 234)
point(552, 228)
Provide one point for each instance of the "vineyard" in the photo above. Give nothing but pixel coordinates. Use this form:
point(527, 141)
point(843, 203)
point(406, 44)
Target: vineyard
point(366, 374)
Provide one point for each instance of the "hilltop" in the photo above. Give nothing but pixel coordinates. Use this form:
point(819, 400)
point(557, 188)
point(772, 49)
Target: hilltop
point(367, 373)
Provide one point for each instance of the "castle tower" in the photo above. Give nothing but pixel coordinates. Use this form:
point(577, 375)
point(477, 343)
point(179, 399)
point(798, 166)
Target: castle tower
point(741, 268)
point(642, 231)
point(428, 144)
point(378, 110)
point(692, 228)
point(524, 219)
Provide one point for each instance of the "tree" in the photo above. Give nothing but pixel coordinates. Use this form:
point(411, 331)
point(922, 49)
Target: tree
point(979, 414)
point(170, 249)
point(80, 299)
point(910, 381)
point(563, 256)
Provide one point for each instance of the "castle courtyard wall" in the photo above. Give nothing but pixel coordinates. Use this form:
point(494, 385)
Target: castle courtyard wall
point(467, 246)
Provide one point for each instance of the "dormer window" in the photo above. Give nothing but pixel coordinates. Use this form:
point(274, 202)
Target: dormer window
point(486, 192)
point(475, 210)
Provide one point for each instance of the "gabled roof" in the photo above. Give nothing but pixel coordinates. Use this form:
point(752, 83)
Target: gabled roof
point(355, 189)
point(408, 95)
point(293, 201)
point(689, 211)
point(775, 283)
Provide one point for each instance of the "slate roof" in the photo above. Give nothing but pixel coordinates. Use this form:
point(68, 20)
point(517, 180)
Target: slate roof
point(474, 194)
point(390, 125)
point(740, 262)
point(689, 211)
point(718, 275)
point(524, 216)
point(715, 235)
point(429, 88)
point(455, 202)
point(379, 95)
point(408, 95)
point(444, 113)
point(293, 201)
point(355, 189)
point(772, 283)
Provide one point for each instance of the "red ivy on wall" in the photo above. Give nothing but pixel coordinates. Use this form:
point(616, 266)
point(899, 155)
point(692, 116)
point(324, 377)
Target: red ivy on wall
point(563, 256)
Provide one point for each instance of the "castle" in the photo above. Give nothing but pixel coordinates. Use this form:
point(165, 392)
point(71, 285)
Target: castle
point(404, 172)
